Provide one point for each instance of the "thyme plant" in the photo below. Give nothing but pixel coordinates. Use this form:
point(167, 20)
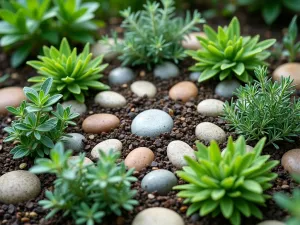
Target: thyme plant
point(86, 192)
point(264, 109)
point(231, 185)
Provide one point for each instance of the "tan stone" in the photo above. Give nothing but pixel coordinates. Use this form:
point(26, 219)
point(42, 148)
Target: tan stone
point(10, 96)
point(139, 158)
point(191, 42)
point(210, 107)
point(86, 160)
point(291, 161)
point(271, 222)
point(291, 70)
point(99, 123)
point(184, 91)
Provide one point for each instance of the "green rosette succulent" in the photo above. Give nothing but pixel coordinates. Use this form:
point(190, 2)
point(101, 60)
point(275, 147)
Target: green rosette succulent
point(73, 75)
point(227, 54)
point(231, 183)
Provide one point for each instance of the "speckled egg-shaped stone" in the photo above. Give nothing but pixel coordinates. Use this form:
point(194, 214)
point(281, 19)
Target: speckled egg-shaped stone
point(120, 75)
point(142, 88)
point(183, 91)
point(291, 70)
point(99, 123)
point(74, 142)
point(291, 161)
point(210, 107)
point(10, 96)
point(110, 99)
point(76, 107)
point(152, 123)
point(19, 186)
point(139, 158)
point(207, 131)
point(176, 151)
point(162, 181)
point(106, 146)
point(166, 71)
point(157, 216)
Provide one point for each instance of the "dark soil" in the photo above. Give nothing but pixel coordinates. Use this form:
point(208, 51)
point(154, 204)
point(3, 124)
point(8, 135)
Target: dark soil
point(185, 118)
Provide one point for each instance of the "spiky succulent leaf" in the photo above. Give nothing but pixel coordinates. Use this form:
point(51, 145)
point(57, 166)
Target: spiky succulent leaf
point(226, 54)
point(231, 184)
point(73, 75)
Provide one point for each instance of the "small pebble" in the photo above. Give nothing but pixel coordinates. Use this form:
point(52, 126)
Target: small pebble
point(162, 181)
point(210, 107)
point(191, 41)
point(194, 76)
point(10, 96)
point(227, 88)
point(271, 222)
point(139, 158)
point(110, 99)
point(23, 166)
point(86, 160)
point(207, 131)
point(100, 48)
point(74, 142)
point(99, 123)
point(166, 71)
point(291, 70)
point(142, 88)
point(120, 75)
point(291, 161)
point(176, 151)
point(184, 91)
point(76, 107)
point(106, 146)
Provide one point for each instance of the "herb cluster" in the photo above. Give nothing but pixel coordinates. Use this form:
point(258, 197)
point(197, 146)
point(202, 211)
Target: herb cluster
point(231, 184)
point(264, 109)
point(86, 192)
point(38, 127)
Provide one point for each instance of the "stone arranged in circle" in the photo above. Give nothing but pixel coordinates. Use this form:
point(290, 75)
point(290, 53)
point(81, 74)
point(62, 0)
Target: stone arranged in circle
point(74, 141)
point(194, 76)
point(86, 160)
point(291, 70)
point(99, 123)
point(142, 88)
point(227, 88)
point(139, 158)
point(110, 99)
point(106, 146)
point(120, 75)
point(160, 181)
point(76, 107)
point(184, 91)
point(176, 151)
point(291, 161)
point(166, 71)
point(158, 216)
point(19, 186)
point(210, 107)
point(207, 131)
point(191, 41)
point(10, 96)
point(151, 123)
point(105, 49)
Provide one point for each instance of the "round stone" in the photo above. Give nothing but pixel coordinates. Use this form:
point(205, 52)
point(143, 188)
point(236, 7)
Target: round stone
point(166, 71)
point(99, 123)
point(183, 91)
point(106, 146)
point(191, 42)
point(101, 48)
point(226, 88)
point(151, 123)
point(176, 151)
point(157, 216)
point(162, 181)
point(194, 76)
point(110, 99)
point(291, 70)
point(19, 186)
point(76, 107)
point(74, 142)
point(139, 158)
point(207, 131)
point(120, 75)
point(271, 222)
point(291, 161)
point(10, 96)
point(86, 160)
point(142, 88)
point(210, 107)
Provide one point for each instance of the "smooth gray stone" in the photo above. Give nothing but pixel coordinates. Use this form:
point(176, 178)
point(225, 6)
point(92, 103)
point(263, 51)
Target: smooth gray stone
point(162, 181)
point(75, 142)
point(166, 71)
point(194, 76)
point(120, 75)
point(152, 123)
point(226, 88)
point(76, 107)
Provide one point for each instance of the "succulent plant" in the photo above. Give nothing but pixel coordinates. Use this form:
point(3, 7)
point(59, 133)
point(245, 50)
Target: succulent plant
point(73, 75)
point(231, 184)
point(226, 54)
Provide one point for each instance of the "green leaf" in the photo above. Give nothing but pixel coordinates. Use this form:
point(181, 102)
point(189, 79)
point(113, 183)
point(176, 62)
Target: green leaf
point(270, 12)
point(8, 16)
point(239, 68)
point(207, 74)
point(74, 88)
point(218, 194)
point(47, 141)
point(20, 55)
point(207, 207)
point(47, 125)
point(226, 205)
point(10, 39)
point(65, 47)
point(46, 85)
point(253, 186)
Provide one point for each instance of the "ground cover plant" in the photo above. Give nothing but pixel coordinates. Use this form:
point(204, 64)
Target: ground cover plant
point(37, 127)
point(73, 74)
point(231, 185)
point(154, 34)
point(86, 192)
point(264, 109)
point(226, 54)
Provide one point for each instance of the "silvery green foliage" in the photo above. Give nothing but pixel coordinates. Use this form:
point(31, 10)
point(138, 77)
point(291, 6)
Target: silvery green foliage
point(86, 192)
